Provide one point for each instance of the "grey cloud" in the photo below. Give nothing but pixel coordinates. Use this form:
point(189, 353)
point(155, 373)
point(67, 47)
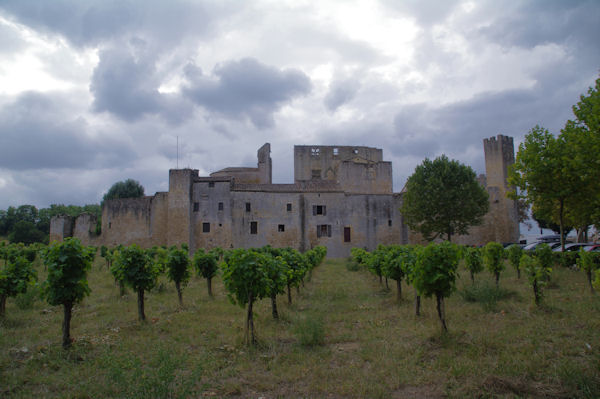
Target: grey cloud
point(246, 88)
point(426, 13)
point(340, 93)
point(10, 41)
point(35, 132)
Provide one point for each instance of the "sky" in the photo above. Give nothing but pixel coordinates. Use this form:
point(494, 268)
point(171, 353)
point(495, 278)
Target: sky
point(95, 92)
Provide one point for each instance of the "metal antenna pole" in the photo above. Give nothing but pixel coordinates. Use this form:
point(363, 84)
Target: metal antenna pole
point(177, 152)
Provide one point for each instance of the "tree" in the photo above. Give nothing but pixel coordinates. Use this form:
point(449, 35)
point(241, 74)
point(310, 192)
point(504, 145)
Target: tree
point(124, 189)
point(246, 281)
point(178, 270)
point(394, 265)
point(205, 264)
point(16, 275)
point(435, 274)
point(588, 262)
point(68, 263)
point(276, 270)
point(135, 268)
point(26, 232)
point(537, 274)
point(443, 197)
point(493, 255)
point(473, 261)
point(514, 257)
point(296, 269)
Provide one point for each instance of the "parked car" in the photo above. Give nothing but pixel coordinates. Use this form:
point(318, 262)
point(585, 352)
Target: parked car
point(572, 247)
point(592, 248)
point(534, 245)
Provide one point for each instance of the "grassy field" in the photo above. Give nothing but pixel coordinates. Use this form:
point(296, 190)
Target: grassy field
point(344, 336)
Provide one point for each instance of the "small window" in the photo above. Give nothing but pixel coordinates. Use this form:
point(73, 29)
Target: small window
point(211, 184)
point(248, 207)
point(319, 210)
point(281, 228)
point(109, 225)
point(289, 207)
point(347, 234)
point(315, 152)
point(196, 206)
point(253, 227)
point(390, 222)
point(336, 152)
point(355, 151)
point(206, 227)
point(324, 230)
point(315, 173)
point(220, 206)
point(375, 222)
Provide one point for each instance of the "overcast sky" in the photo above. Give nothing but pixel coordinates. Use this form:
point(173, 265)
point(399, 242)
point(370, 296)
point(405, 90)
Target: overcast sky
point(94, 92)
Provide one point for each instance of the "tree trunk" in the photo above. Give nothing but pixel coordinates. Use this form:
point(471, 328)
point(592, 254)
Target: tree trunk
point(289, 292)
point(497, 280)
point(536, 293)
point(589, 278)
point(417, 304)
point(472, 278)
point(449, 236)
point(250, 322)
point(274, 306)
point(562, 232)
point(387, 287)
point(209, 284)
point(441, 313)
point(518, 273)
point(140, 301)
point(399, 285)
point(380, 279)
point(121, 288)
point(2, 305)
point(179, 295)
point(297, 290)
point(66, 326)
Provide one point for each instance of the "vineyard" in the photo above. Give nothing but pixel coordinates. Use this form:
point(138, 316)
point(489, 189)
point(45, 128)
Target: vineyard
point(339, 328)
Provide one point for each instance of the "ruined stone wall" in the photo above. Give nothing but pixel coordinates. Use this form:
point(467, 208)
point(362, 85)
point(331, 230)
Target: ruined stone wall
point(61, 227)
point(366, 178)
point(262, 174)
point(127, 221)
point(211, 204)
point(180, 227)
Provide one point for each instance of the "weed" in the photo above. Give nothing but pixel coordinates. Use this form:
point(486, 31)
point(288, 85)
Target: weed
point(486, 294)
point(28, 298)
point(309, 331)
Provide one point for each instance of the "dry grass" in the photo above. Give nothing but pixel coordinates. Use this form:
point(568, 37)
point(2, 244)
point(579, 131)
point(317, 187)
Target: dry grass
point(361, 343)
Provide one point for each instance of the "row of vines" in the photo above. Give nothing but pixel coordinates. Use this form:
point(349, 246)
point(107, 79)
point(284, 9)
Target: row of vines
point(248, 275)
point(432, 270)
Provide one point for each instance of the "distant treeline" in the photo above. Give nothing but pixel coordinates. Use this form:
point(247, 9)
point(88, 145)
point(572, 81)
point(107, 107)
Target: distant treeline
point(27, 224)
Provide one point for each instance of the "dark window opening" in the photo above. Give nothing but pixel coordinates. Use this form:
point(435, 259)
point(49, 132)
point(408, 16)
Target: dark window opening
point(220, 206)
point(324, 230)
point(196, 206)
point(253, 227)
point(289, 207)
point(281, 228)
point(319, 210)
point(346, 234)
point(211, 184)
point(247, 207)
point(390, 222)
point(109, 225)
point(220, 225)
point(206, 227)
point(375, 222)
point(315, 174)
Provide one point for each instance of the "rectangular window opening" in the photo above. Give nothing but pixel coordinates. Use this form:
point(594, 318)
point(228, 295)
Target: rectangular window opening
point(281, 228)
point(324, 230)
point(315, 174)
point(390, 222)
point(253, 227)
point(211, 184)
point(247, 207)
point(289, 207)
point(319, 210)
point(206, 227)
point(315, 152)
point(196, 206)
point(220, 206)
point(347, 237)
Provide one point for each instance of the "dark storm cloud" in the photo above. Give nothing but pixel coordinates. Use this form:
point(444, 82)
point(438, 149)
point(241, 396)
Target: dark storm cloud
point(88, 23)
point(340, 93)
point(36, 132)
point(246, 88)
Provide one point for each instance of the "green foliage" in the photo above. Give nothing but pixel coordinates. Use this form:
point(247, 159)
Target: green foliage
point(133, 267)
point(310, 331)
point(473, 261)
point(493, 256)
point(124, 189)
point(565, 259)
point(68, 263)
point(436, 269)
point(297, 265)
point(205, 263)
point(589, 262)
point(486, 294)
point(15, 277)
point(244, 277)
point(537, 274)
point(178, 264)
point(393, 261)
point(514, 253)
point(443, 197)
point(543, 253)
point(26, 232)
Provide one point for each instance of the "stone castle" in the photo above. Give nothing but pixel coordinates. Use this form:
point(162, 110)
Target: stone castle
point(341, 198)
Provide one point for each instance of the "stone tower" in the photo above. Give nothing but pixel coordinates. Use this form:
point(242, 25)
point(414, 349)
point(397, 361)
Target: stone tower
point(503, 216)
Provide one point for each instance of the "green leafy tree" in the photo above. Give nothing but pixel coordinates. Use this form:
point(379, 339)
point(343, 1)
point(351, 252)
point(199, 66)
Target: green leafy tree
point(124, 189)
point(206, 264)
point(178, 270)
point(589, 262)
point(276, 269)
point(473, 261)
point(246, 281)
point(68, 263)
point(15, 277)
point(296, 269)
point(443, 197)
point(514, 257)
point(435, 274)
point(493, 256)
point(537, 274)
point(394, 265)
point(135, 268)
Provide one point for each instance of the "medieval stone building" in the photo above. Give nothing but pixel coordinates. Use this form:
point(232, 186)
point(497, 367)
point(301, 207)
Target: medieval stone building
point(341, 198)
